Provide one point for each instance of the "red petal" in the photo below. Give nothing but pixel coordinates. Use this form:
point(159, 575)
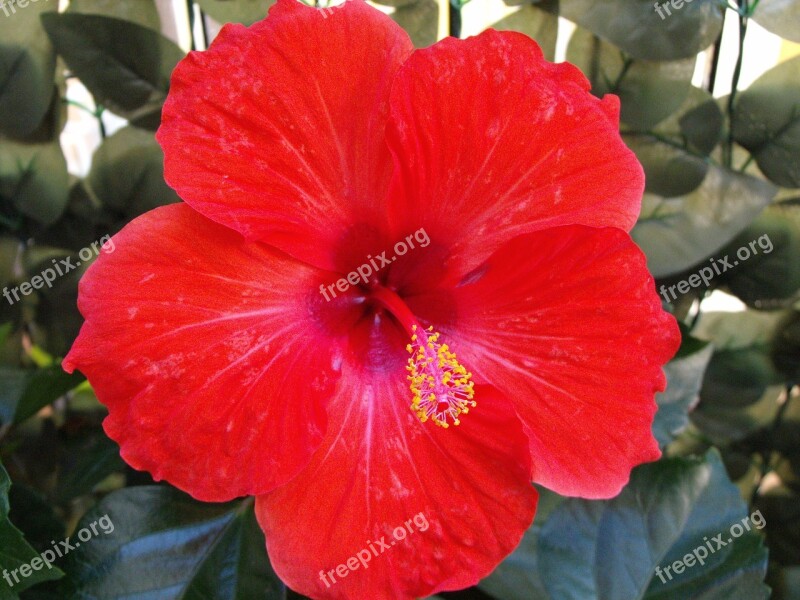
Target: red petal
point(278, 129)
point(567, 324)
point(202, 348)
point(378, 468)
point(492, 140)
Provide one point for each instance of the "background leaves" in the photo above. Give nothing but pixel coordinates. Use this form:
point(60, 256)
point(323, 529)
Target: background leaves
point(27, 66)
point(721, 174)
point(679, 232)
point(15, 551)
point(635, 27)
point(126, 66)
point(165, 544)
point(767, 123)
point(583, 550)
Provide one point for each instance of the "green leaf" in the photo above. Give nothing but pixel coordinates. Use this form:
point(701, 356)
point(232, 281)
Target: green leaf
point(518, 576)
point(538, 22)
point(684, 378)
point(15, 552)
point(27, 68)
point(143, 12)
point(420, 20)
point(34, 180)
point(674, 153)
point(636, 28)
point(781, 17)
point(781, 508)
point(785, 351)
point(26, 391)
point(741, 385)
point(768, 269)
point(57, 314)
point(79, 226)
point(14, 381)
point(127, 174)
point(5, 331)
point(34, 516)
point(648, 91)
point(737, 330)
point(678, 233)
point(610, 549)
point(10, 250)
point(766, 121)
point(700, 121)
point(394, 3)
point(669, 169)
point(124, 65)
point(93, 462)
point(166, 545)
point(737, 378)
point(55, 119)
point(236, 11)
point(43, 387)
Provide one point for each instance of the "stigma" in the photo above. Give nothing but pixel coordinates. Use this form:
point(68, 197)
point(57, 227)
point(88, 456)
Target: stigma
point(442, 388)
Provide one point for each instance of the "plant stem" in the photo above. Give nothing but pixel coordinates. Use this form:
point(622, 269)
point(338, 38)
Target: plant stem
point(743, 13)
point(190, 10)
point(626, 65)
point(766, 455)
point(455, 19)
point(99, 115)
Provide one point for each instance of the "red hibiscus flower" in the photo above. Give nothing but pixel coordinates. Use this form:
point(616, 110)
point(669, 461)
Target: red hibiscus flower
point(242, 348)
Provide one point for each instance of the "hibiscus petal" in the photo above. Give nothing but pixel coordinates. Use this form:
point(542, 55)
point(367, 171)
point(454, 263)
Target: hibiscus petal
point(378, 469)
point(202, 347)
point(491, 139)
point(566, 323)
point(277, 130)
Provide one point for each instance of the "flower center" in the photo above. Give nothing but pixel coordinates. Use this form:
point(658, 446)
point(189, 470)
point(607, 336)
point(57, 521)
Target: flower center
point(440, 385)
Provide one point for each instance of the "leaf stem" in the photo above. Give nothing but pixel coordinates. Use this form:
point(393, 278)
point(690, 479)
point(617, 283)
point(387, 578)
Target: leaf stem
point(79, 105)
point(626, 65)
point(672, 143)
point(97, 113)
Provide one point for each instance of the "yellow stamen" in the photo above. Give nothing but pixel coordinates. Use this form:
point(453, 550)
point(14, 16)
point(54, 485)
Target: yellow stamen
point(441, 385)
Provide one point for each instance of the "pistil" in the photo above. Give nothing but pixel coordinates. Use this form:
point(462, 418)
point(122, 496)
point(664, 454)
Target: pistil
point(441, 386)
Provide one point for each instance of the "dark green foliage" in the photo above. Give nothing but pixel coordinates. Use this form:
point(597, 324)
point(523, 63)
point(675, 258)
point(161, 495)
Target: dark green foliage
point(720, 176)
